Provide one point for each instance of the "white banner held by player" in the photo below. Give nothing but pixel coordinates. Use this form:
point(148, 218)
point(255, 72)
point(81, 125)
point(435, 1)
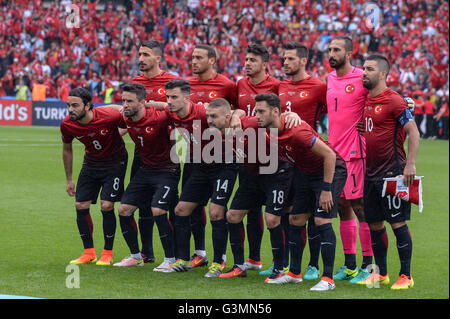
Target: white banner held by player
point(394, 186)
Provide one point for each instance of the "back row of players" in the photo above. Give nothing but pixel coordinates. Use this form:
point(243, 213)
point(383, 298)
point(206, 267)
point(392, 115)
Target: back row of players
point(313, 180)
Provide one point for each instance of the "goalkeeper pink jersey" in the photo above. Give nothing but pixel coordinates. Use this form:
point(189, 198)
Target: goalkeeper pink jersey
point(345, 103)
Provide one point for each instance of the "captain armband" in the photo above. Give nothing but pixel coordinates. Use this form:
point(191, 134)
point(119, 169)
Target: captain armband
point(405, 117)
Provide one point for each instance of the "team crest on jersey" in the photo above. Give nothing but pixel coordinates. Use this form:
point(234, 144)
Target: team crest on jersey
point(161, 91)
point(378, 109)
point(303, 94)
point(288, 148)
point(212, 95)
point(349, 88)
point(149, 129)
point(104, 131)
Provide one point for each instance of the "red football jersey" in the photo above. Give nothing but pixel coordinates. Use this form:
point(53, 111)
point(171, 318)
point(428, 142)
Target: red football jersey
point(295, 144)
point(217, 86)
point(151, 138)
point(385, 135)
point(307, 98)
point(246, 92)
point(191, 127)
point(101, 138)
point(155, 86)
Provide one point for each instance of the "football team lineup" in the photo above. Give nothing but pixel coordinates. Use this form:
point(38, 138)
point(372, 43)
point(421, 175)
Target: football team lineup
point(310, 180)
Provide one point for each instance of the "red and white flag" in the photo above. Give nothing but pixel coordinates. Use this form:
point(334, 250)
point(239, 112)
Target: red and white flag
point(394, 186)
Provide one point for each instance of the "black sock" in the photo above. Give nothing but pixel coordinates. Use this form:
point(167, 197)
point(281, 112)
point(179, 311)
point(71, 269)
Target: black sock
point(314, 243)
point(198, 223)
point(380, 243)
point(350, 261)
point(285, 225)
point(146, 222)
point(109, 228)
point(277, 241)
point(404, 247)
point(172, 218)
point(165, 234)
point(219, 238)
point(255, 231)
point(85, 227)
point(297, 238)
point(130, 232)
point(183, 236)
point(328, 248)
point(237, 237)
point(367, 260)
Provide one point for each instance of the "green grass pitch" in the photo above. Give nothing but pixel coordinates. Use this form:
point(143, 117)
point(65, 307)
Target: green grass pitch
point(39, 236)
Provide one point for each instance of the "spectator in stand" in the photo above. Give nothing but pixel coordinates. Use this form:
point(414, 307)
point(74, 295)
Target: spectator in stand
point(413, 35)
point(442, 116)
point(39, 91)
point(428, 109)
point(22, 91)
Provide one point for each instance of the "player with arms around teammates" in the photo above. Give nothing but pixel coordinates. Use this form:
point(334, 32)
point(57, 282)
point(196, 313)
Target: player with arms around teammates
point(206, 85)
point(388, 121)
point(156, 179)
point(256, 81)
point(305, 95)
point(153, 78)
point(316, 192)
point(104, 168)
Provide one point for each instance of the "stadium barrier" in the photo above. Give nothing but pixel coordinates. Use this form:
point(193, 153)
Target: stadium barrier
point(26, 113)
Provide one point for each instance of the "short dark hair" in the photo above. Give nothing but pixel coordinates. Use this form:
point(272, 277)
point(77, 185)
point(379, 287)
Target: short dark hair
point(301, 50)
point(220, 102)
point(259, 50)
point(136, 88)
point(382, 62)
point(211, 51)
point(183, 84)
point(348, 42)
point(83, 94)
point(272, 100)
point(155, 46)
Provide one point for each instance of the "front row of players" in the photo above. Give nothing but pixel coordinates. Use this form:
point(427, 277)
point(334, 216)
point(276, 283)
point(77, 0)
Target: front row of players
point(307, 181)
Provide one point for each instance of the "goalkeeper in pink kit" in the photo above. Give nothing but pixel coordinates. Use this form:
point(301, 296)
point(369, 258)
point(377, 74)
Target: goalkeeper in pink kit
point(345, 101)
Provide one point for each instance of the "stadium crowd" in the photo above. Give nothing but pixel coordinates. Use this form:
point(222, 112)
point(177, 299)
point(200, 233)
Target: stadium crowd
point(37, 48)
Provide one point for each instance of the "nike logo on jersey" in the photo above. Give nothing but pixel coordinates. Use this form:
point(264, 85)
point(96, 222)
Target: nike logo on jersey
point(277, 208)
point(395, 215)
point(320, 210)
point(113, 195)
point(240, 95)
point(78, 137)
point(160, 202)
point(221, 197)
point(354, 191)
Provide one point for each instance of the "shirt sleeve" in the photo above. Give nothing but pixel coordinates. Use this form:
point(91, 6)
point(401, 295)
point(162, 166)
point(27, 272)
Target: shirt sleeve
point(304, 138)
point(65, 136)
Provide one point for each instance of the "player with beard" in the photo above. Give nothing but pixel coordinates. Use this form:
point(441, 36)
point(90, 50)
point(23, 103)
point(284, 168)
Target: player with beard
point(156, 179)
point(104, 168)
point(305, 95)
point(206, 85)
point(388, 121)
point(154, 79)
point(319, 178)
point(256, 81)
point(345, 102)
